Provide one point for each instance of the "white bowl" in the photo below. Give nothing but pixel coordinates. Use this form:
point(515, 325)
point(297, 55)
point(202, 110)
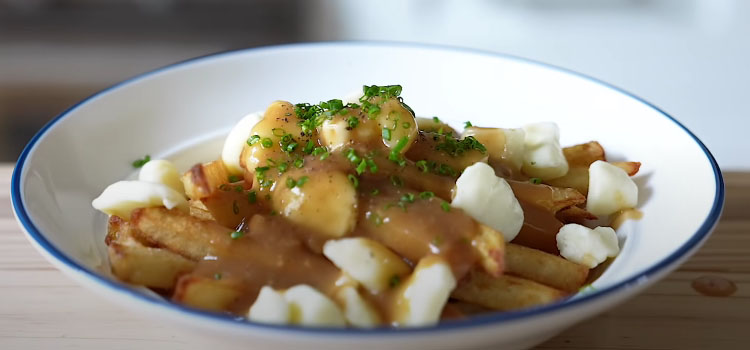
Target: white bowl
point(181, 112)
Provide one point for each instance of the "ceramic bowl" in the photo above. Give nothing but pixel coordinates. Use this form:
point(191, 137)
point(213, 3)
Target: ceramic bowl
point(182, 112)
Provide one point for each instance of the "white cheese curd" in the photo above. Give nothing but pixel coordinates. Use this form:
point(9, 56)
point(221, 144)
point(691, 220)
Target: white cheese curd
point(299, 305)
point(610, 189)
point(357, 310)
point(122, 197)
point(311, 308)
point(163, 172)
point(270, 307)
point(585, 246)
point(236, 140)
point(334, 133)
point(543, 156)
point(367, 261)
point(425, 293)
point(488, 199)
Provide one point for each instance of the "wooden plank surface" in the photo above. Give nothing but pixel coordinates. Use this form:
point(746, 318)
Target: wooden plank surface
point(42, 309)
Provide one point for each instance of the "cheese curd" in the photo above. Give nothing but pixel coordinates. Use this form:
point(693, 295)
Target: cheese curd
point(543, 156)
point(299, 305)
point(585, 246)
point(489, 199)
point(235, 142)
point(366, 261)
point(610, 189)
point(163, 172)
point(357, 310)
point(122, 197)
point(425, 293)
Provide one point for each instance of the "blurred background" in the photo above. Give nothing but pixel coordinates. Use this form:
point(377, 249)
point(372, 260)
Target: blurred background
point(689, 57)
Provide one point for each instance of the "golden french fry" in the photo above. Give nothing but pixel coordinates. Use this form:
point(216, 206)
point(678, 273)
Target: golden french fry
point(550, 198)
point(199, 210)
point(204, 179)
point(630, 167)
point(574, 214)
point(179, 232)
point(136, 263)
point(504, 293)
point(544, 268)
point(584, 154)
point(491, 247)
point(207, 293)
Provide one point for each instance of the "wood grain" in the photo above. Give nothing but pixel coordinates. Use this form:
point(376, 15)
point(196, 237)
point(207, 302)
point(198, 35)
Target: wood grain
point(42, 309)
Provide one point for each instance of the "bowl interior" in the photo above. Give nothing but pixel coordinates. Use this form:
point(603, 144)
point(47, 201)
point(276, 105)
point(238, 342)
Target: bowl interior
point(182, 113)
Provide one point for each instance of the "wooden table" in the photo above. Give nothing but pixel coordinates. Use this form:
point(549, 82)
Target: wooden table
point(40, 308)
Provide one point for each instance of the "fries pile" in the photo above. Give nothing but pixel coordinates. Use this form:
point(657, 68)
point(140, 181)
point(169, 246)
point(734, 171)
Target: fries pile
point(356, 213)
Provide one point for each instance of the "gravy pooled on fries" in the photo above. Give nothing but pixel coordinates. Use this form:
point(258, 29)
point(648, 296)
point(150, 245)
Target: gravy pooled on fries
point(357, 213)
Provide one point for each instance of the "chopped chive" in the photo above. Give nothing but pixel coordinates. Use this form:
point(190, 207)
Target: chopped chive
point(283, 167)
point(224, 187)
point(141, 162)
point(535, 180)
point(234, 178)
point(408, 197)
point(436, 119)
point(353, 179)
point(238, 189)
point(252, 197)
point(422, 164)
point(278, 132)
point(235, 207)
point(266, 142)
point(361, 167)
point(302, 181)
point(467, 125)
point(309, 147)
point(253, 140)
point(386, 134)
point(299, 163)
point(375, 192)
point(406, 125)
point(291, 182)
point(352, 155)
point(372, 165)
point(445, 206)
point(236, 234)
point(217, 276)
point(352, 121)
point(290, 147)
point(426, 195)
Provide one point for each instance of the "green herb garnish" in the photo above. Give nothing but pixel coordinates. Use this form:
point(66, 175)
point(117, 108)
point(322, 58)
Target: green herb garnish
point(535, 180)
point(353, 179)
point(141, 162)
point(236, 234)
point(445, 206)
point(253, 140)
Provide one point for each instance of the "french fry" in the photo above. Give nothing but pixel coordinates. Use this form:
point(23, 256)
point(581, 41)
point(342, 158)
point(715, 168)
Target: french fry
point(504, 293)
point(574, 214)
point(584, 154)
point(179, 232)
point(204, 179)
point(207, 293)
point(491, 247)
point(550, 198)
point(138, 264)
point(544, 268)
point(199, 210)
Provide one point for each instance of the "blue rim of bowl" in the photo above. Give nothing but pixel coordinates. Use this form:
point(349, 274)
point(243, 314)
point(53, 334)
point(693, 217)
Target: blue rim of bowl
point(482, 320)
